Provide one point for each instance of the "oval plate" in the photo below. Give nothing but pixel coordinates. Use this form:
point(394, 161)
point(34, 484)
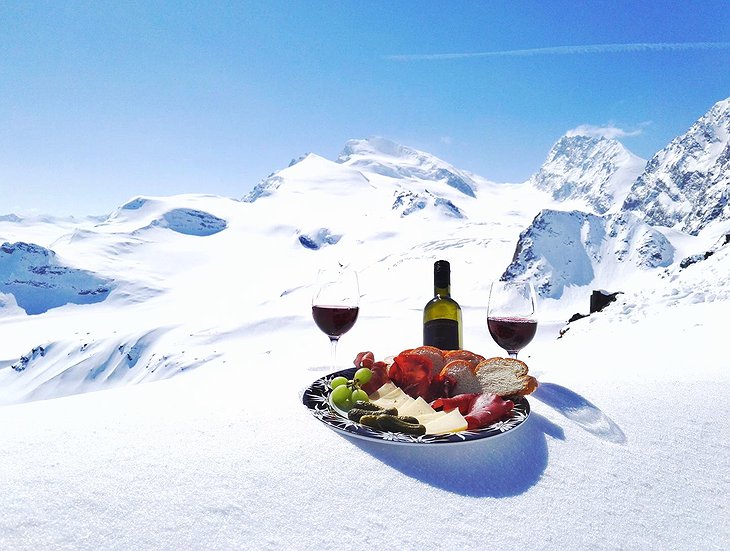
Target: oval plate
point(316, 399)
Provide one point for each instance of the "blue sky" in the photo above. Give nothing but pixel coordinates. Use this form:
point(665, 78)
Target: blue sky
point(101, 101)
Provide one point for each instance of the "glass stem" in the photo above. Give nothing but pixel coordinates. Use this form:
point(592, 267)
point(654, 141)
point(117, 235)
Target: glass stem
point(512, 355)
point(333, 347)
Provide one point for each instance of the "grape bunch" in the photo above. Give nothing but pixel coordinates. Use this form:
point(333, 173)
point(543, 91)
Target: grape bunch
point(346, 392)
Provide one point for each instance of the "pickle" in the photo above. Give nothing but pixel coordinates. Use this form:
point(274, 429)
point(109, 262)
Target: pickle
point(356, 414)
point(370, 420)
point(393, 423)
point(369, 406)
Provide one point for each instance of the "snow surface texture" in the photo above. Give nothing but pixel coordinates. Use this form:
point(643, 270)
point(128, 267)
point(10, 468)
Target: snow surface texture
point(626, 446)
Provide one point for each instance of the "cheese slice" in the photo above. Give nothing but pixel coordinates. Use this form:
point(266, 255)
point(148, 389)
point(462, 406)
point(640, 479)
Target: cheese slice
point(405, 404)
point(382, 391)
point(416, 408)
point(393, 400)
point(398, 403)
point(453, 421)
point(428, 417)
point(387, 400)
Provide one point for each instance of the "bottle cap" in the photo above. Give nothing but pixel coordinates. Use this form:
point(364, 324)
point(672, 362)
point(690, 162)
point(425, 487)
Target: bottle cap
point(441, 274)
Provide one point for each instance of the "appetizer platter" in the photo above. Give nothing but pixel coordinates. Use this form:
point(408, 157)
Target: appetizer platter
point(423, 396)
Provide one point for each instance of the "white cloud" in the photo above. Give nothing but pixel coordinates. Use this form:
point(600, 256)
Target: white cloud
point(608, 131)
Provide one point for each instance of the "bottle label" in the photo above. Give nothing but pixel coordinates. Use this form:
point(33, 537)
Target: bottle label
point(441, 333)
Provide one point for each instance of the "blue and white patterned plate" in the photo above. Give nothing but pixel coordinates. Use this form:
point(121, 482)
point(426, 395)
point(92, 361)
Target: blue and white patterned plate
point(316, 399)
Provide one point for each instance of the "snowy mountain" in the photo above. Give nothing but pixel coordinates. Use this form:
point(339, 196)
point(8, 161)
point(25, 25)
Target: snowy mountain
point(686, 185)
point(598, 171)
point(196, 272)
point(561, 249)
point(372, 178)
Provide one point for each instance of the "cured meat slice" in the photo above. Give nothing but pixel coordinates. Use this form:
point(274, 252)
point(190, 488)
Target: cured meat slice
point(364, 359)
point(479, 410)
point(434, 354)
point(379, 378)
point(462, 402)
point(412, 373)
point(487, 409)
point(379, 369)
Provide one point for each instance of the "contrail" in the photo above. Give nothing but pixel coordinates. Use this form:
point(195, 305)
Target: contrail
point(570, 50)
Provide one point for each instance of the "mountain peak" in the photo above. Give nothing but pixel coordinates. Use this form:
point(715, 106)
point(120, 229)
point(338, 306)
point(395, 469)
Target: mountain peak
point(309, 172)
point(595, 169)
point(375, 145)
point(387, 158)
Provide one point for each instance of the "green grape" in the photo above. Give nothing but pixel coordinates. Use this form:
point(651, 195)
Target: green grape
point(360, 394)
point(363, 375)
point(338, 381)
point(342, 397)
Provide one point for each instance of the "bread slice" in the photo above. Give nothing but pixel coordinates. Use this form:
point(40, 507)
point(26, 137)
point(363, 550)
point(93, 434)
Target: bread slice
point(467, 355)
point(505, 377)
point(461, 373)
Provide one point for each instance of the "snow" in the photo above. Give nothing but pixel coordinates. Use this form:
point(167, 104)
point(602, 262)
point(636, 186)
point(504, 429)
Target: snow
point(169, 415)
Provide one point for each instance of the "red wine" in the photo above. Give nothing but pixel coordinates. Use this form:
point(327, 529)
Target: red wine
point(335, 321)
point(512, 334)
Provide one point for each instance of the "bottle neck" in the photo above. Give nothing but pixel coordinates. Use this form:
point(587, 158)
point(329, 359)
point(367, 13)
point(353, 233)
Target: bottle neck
point(442, 291)
point(442, 278)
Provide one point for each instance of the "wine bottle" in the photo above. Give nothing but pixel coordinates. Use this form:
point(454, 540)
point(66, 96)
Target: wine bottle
point(442, 314)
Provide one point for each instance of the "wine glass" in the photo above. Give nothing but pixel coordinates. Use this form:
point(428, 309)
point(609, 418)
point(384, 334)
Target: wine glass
point(335, 304)
point(511, 314)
